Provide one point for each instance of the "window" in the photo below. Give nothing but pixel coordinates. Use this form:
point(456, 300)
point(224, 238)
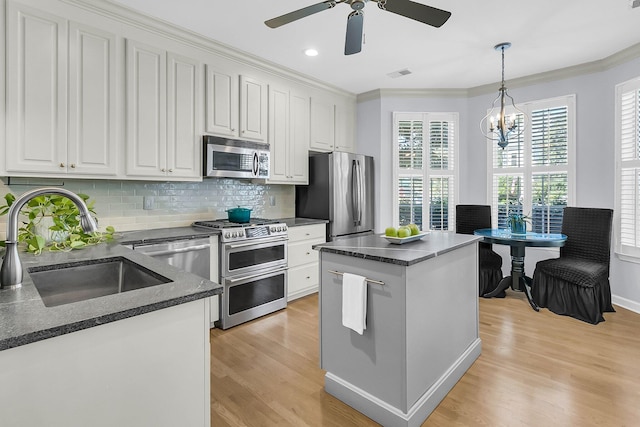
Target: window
point(425, 169)
point(628, 168)
point(533, 175)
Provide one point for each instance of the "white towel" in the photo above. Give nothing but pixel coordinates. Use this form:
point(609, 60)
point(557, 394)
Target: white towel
point(354, 302)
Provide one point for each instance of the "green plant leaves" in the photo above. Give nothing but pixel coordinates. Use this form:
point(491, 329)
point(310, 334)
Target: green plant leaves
point(65, 220)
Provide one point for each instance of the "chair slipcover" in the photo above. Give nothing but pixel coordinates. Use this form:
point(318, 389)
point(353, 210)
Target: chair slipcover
point(577, 283)
point(468, 219)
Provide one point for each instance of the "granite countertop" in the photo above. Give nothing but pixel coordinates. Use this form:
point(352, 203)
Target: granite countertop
point(296, 222)
point(377, 248)
point(25, 319)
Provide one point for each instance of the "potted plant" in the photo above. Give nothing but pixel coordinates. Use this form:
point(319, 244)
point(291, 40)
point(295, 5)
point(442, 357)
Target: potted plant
point(518, 223)
point(51, 223)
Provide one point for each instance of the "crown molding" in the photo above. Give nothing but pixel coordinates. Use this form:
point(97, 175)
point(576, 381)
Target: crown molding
point(618, 58)
point(128, 16)
point(413, 93)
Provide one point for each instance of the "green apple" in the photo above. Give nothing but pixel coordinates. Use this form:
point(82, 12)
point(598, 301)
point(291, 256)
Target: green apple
point(404, 231)
point(391, 232)
point(414, 229)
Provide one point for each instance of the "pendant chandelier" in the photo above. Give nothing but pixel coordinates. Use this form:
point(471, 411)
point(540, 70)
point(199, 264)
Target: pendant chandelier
point(496, 125)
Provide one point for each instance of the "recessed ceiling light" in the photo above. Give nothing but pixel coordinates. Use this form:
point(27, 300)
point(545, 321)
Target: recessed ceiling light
point(311, 52)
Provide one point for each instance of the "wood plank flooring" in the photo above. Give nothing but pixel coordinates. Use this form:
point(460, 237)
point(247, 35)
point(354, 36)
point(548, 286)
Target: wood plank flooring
point(535, 369)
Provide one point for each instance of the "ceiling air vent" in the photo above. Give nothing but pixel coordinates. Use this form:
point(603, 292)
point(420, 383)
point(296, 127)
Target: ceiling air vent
point(401, 73)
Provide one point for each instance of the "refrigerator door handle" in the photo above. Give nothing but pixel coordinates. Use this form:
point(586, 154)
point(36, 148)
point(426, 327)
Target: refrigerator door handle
point(355, 198)
point(360, 193)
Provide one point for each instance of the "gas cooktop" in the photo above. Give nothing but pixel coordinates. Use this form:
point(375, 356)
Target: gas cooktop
point(257, 228)
point(224, 223)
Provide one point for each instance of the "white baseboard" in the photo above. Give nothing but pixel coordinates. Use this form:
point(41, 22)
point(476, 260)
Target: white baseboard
point(301, 293)
point(626, 303)
point(388, 415)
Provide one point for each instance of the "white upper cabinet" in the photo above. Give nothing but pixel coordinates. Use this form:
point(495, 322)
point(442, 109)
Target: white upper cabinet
point(162, 113)
point(253, 109)
point(322, 124)
point(41, 90)
point(288, 136)
point(332, 125)
point(236, 105)
point(222, 94)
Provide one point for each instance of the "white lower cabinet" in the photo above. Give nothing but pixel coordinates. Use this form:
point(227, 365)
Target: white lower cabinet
point(303, 260)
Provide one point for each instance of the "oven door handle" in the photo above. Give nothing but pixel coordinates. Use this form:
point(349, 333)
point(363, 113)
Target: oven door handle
point(251, 276)
point(177, 251)
point(254, 243)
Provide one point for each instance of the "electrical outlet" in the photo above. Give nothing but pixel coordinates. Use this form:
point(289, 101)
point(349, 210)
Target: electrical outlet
point(148, 203)
point(272, 200)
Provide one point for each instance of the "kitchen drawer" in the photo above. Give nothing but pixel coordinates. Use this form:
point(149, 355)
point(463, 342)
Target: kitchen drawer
point(302, 281)
point(302, 253)
point(305, 232)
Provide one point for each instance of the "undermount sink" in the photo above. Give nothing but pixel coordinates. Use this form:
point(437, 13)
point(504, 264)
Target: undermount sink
point(78, 281)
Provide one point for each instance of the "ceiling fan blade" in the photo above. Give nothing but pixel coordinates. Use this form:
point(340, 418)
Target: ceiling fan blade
point(419, 12)
point(353, 42)
point(300, 13)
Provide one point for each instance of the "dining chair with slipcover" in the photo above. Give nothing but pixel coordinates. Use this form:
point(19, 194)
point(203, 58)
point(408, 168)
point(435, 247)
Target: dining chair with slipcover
point(577, 283)
point(468, 219)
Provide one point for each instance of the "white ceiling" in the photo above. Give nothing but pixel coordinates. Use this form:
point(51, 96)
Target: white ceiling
point(546, 35)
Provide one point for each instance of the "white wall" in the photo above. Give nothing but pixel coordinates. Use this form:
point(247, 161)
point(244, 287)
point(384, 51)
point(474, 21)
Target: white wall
point(595, 170)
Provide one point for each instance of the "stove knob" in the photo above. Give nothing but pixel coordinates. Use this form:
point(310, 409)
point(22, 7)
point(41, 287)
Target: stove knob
point(273, 229)
point(284, 228)
point(235, 234)
point(227, 234)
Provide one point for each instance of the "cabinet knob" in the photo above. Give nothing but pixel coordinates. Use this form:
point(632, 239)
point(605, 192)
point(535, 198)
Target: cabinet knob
point(308, 277)
point(162, 170)
point(61, 165)
point(73, 166)
point(170, 170)
point(308, 253)
point(233, 130)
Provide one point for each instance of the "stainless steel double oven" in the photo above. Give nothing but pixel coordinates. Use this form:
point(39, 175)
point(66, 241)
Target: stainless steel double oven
point(253, 269)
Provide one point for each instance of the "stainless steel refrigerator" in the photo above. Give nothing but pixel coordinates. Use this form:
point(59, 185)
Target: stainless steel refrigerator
point(340, 190)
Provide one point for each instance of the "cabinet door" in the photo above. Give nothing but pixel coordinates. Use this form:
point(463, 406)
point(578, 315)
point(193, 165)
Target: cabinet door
point(345, 121)
point(253, 109)
point(222, 94)
point(36, 91)
point(183, 113)
point(92, 142)
point(322, 125)
point(279, 134)
point(299, 138)
point(146, 110)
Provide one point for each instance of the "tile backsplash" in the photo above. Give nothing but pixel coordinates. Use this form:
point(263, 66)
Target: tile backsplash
point(173, 204)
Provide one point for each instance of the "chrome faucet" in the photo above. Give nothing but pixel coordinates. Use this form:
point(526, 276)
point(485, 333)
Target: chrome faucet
point(11, 272)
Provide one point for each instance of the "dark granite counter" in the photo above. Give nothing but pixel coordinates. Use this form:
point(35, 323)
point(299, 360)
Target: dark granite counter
point(377, 248)
point(25, 319)
point(164, 235)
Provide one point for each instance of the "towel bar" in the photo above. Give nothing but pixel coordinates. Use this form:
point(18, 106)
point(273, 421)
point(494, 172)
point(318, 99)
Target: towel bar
point(377, 282)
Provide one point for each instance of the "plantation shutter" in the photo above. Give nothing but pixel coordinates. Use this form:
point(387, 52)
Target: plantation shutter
point(629, 171)
point(410, 185)
point(549, 149)
point(532, 175)
point(424, 169)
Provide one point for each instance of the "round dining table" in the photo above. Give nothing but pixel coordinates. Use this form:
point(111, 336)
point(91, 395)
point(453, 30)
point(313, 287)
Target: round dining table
point(518, 281)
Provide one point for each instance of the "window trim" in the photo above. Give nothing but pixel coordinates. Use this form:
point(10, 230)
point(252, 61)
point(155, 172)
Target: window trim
point(624, 252)
point(426, 117)
point(527, 171)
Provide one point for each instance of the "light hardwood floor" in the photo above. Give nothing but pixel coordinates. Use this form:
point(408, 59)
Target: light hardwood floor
point(536, 369)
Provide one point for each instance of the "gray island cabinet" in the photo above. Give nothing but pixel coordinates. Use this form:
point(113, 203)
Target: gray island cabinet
point(421, 331)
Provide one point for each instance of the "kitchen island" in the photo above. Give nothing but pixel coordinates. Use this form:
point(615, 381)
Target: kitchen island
point(421, 331)
point(139, 357)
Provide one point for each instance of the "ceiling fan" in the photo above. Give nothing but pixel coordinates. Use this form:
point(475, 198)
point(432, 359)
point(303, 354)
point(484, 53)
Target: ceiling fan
point(353, 43)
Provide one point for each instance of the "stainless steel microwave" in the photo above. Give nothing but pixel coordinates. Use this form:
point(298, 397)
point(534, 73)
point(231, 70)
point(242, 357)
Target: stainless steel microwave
point(230, 158)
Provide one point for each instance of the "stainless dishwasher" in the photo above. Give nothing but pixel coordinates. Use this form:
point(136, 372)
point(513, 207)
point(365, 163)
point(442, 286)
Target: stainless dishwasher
point(190, 255)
